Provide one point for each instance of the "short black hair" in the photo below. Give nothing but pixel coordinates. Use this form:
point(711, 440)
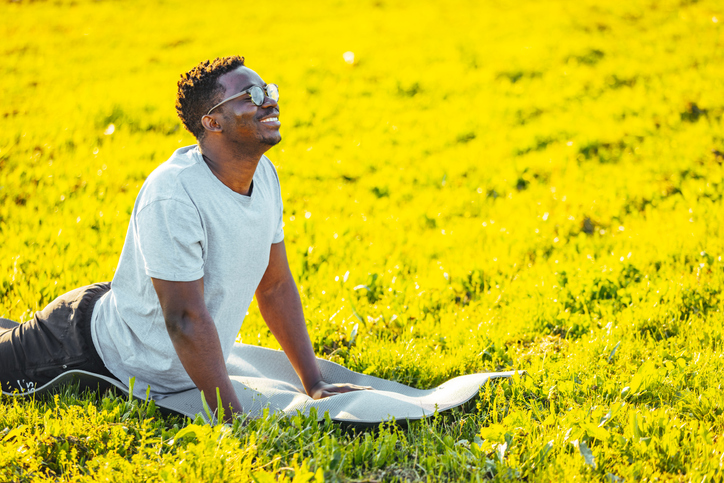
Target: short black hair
point(199, 90)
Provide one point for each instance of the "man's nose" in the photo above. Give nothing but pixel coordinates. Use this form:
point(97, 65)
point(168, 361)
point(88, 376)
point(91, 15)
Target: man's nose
point(269, 102)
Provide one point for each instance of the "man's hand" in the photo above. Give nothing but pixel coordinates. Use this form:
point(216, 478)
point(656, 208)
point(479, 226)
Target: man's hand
point(281, 307)
point(324, 389)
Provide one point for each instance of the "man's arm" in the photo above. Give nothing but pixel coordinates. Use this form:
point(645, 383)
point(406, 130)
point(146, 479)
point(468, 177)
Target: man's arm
point(196, 341)
point(279, 303)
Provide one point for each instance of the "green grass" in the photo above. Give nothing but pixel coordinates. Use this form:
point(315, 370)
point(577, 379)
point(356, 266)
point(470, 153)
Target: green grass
point(488, 186)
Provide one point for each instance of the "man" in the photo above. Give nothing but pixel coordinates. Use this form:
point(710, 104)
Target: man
point(205, 235)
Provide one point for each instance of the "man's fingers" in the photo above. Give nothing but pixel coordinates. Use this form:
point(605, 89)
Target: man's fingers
point(324, 389)
point(351, 387)
point(326, 393)
point(333, 389)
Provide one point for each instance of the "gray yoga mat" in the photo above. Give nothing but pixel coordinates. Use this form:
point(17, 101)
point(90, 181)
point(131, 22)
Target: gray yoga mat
point(264, 378)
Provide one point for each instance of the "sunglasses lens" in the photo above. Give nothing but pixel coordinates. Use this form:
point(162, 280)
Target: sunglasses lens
point(272, 90)
point(257, 95)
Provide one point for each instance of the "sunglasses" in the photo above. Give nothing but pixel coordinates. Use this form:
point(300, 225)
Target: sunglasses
point(257, 95)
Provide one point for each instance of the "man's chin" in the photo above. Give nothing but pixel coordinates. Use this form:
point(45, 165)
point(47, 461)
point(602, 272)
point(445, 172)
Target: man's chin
point(272, 141)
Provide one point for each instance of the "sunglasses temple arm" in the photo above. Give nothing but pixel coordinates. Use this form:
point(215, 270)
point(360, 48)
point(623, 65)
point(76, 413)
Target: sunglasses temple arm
point(226, 100)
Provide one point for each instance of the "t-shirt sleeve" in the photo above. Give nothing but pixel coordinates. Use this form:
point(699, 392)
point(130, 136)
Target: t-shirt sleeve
point(279, 233)
point(170, 237)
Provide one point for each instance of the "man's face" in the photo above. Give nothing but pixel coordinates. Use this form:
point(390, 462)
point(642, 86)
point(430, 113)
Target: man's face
point(240, 119)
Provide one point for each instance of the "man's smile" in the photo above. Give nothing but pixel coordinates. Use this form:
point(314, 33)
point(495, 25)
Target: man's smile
point(274, 120)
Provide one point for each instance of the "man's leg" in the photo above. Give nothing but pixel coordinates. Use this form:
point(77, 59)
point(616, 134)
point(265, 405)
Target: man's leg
point(58, 339)
point(7, 324)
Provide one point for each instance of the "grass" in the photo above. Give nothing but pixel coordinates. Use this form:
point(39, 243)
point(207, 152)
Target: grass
point(479, 186)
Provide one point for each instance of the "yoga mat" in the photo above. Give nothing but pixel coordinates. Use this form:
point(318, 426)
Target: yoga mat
point(264, 378)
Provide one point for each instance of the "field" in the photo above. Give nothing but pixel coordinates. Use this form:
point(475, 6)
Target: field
point(472, 185)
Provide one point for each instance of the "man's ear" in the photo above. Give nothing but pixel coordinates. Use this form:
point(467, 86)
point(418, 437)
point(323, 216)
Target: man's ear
point(210, 124)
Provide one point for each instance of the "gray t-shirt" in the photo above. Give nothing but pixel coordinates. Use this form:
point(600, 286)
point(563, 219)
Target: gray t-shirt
point(186, 224)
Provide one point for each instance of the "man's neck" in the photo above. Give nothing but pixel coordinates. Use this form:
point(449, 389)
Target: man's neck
point(235, 170)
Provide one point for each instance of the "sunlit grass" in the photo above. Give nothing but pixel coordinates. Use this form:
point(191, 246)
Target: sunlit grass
point(475, 186)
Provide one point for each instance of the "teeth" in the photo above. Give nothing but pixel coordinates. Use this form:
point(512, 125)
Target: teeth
point(270, 119)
